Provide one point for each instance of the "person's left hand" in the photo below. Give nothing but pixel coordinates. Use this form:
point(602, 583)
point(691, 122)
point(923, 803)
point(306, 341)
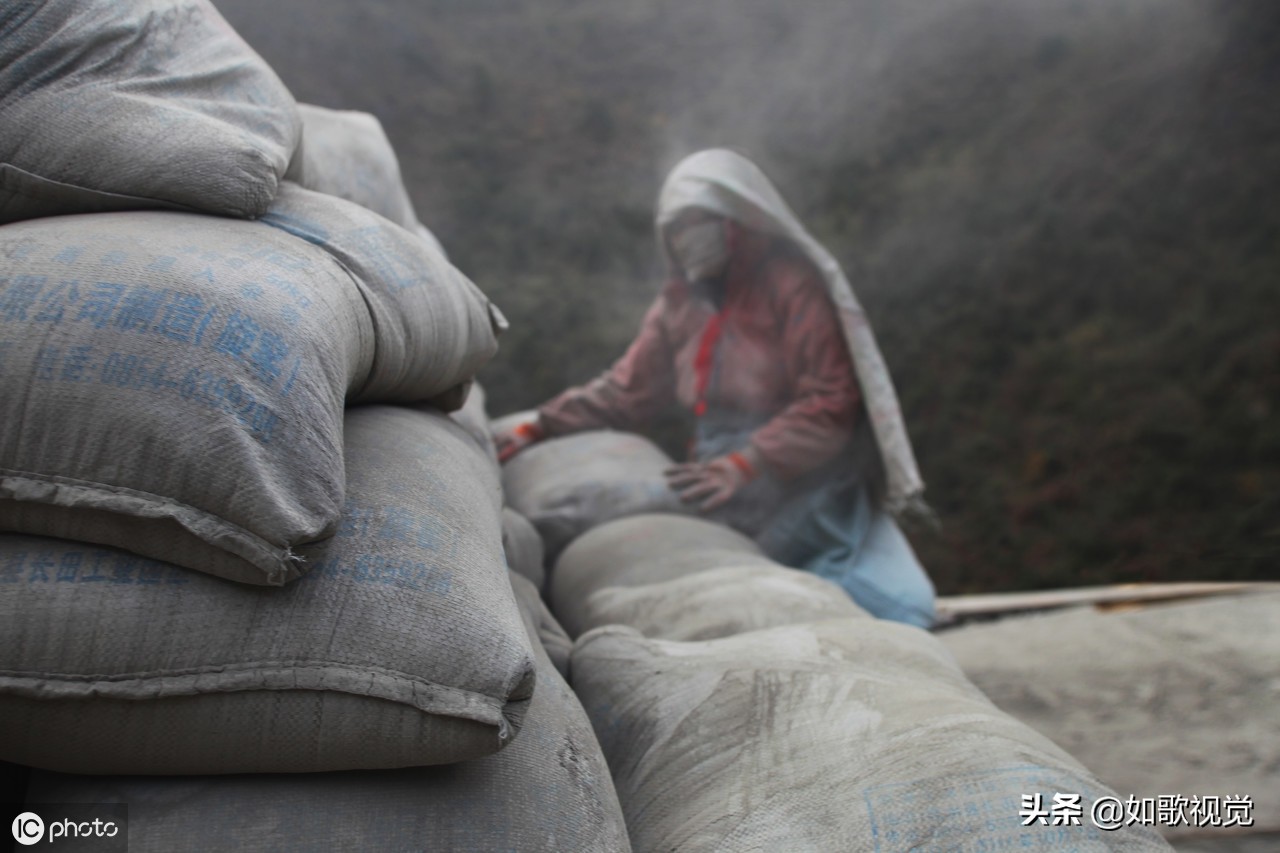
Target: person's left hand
point(712, 483)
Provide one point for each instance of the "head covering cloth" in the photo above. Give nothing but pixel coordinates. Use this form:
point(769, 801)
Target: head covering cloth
point(729, 184)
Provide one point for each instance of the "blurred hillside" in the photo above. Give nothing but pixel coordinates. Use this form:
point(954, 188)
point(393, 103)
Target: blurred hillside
point(1061, 216)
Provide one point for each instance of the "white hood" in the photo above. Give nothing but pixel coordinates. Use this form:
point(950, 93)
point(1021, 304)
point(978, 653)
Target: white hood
point(729, 184)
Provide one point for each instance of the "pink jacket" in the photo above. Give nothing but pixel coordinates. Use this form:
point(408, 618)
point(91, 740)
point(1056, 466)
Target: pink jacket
point(778, 353)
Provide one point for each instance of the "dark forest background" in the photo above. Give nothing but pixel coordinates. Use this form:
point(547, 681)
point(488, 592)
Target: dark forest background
point(1062, 216)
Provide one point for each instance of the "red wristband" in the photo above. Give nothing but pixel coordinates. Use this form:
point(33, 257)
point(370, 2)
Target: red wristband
point(741, 463)
point(529, 430)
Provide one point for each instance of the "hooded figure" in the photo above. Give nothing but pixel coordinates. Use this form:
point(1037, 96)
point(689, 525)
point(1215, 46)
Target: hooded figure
point(799, 440)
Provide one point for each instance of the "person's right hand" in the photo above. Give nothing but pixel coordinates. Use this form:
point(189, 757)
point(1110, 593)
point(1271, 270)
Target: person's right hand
point(712, 484)
point(512, 441)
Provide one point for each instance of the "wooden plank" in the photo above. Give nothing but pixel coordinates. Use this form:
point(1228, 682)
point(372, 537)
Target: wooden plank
point(954, 607)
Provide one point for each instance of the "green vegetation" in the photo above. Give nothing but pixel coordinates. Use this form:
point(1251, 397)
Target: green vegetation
point(1062, 218)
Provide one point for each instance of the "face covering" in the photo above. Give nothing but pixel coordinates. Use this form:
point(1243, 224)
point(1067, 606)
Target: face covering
point(701, 250)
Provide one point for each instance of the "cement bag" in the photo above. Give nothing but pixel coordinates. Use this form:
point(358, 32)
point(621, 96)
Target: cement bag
point(434, 328)
point(548, 792)
point(403, 645)
point(174, 385)
point(523, 546)
point(555, 642)
point(850, 734)
point(1169, 699)
point(643, 549)
point(126, 104)
point(346, 153)
point(472, 417)
point(568, 485)
point(721, 602)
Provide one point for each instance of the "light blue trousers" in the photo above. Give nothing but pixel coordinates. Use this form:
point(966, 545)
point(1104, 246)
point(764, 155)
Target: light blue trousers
point(827, 525)
point(835, 533)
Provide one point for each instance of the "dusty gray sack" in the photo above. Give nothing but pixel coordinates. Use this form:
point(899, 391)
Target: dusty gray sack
point(548, 792)
point(721, 602)
point(568, 485)
point(402, 646)
point(128, 104)
point(850, 734)
point(474, 419)
point(555, 642)
point(433, 327)
point(523, 546)
point(176, 382)
point(1174, 699)
point(346, 153)
point(174, 385)
point(639, 550)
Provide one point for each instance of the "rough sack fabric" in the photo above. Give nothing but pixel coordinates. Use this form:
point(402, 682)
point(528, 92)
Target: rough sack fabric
point(568, 485)
point(402, 646)
point(548, 792)
point(174, 385)
point(851, 734)
point(346, 153)
point(175, 382)
point(523, 546)
point(727, 183)
point(434, 328)
point(555, 642)
point(475, 420)
point(642, 549)
point(126, 104)
point(1168, 699)
point(720, 602)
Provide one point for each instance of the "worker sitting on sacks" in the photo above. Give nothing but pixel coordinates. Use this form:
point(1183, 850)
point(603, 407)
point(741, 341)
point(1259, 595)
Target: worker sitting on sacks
point(799, 440)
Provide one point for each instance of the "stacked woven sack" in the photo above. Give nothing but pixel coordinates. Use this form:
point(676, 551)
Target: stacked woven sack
point(238, 532)
point(1176, 699)
point(745, 706)
point(566, 486)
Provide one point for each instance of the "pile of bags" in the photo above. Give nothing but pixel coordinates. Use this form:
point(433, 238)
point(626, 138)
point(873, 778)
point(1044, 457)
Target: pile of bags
point(745, 706)
point(1169, 700)
point(257, 582)
point(566, 486)
point(247, 560)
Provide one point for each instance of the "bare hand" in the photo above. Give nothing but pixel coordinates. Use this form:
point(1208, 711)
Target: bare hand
point(516, 439)
point(711, 484)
